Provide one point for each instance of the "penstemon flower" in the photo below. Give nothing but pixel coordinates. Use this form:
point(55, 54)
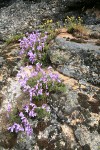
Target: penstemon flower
point(27, 127)
point(16, 128)
point(32, 46)
point(46, 107)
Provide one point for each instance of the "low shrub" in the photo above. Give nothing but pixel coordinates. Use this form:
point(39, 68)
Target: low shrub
point(75, 25)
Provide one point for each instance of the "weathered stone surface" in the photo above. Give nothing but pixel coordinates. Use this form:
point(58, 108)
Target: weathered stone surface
point(47, 135)
point(80, 115)
point(23, 17)
point(77, 60)
point(94, 31)
point(9, 62)
point(91, 139)
point(72, 108)
point(9, 92)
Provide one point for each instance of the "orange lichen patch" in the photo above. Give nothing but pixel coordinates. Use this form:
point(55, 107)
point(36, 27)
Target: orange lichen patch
point(1, 77)
point(68, 131)
point(76, 121)
point(13, 46)
point(75, 87)
point(11, 58)
point(67, 80)
point(63, 30)
point(64, 34)
point(91, 99)
point(96, 118)
point(82, 86)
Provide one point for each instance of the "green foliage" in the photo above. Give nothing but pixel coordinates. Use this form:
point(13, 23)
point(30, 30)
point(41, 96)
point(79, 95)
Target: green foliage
point(14, 38)
point(57, 87)
point(41, 113)
point(33, 81)
point(14, 116)
point(50, 28)
point(52, 86)
point(40, 99)
point(75, 24)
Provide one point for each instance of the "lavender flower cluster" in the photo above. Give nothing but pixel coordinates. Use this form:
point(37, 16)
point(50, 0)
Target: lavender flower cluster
point(33, 80)
point(40, 80)
point(32, 46)
point(25, 125)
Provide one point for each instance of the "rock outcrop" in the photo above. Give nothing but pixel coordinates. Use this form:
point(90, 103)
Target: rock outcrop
point(74, 122)
point(77, 60)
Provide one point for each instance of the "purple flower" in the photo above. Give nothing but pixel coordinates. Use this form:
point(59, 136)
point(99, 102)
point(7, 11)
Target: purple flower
point(22, 115)
point(33, 45)
point(28, 130)
point(32, 57)
point(39, 48)
point(38, 67)
point(26, 108)
point(34, 42)
point(11, 129)
point(32, 113)
point(8, 109)
point(49, 68)
point(33, 105)
point(40, 92)
point(46, 107)
point(16, 128)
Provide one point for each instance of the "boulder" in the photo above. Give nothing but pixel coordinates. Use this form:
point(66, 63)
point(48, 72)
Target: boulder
point(77, 60)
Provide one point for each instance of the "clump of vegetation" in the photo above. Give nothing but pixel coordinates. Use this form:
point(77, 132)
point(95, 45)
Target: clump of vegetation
point(34, 81)
point(33, 47)
point(38, 83)
point(14, 117)
point(20, 120)
point(42, 113)
point(14, 38)
point(75, 25)
point(51, 28)
point(38, 49)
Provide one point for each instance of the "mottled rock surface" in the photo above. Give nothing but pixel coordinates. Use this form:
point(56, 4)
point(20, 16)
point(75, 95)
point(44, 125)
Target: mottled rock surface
point(21, 17)
point(77, 60)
